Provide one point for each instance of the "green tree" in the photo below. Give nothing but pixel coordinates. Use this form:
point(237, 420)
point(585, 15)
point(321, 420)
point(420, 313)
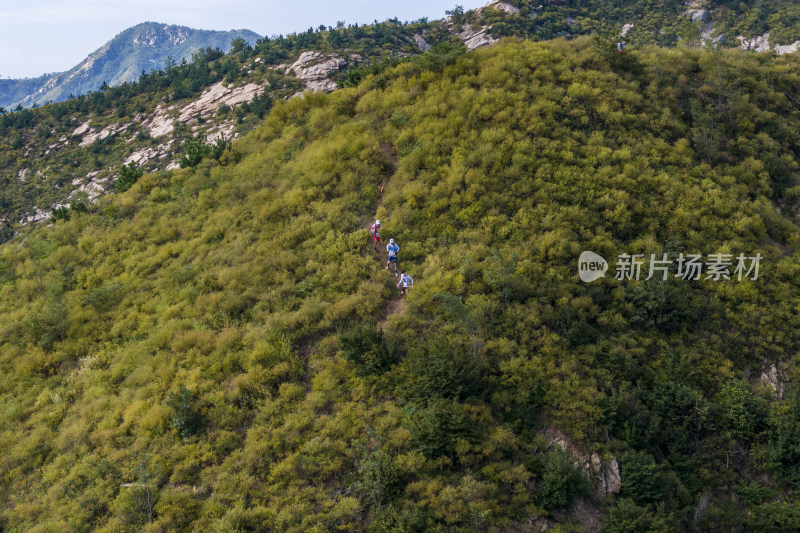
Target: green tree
point(194, 150)
point(367, 348)
point(218, 148)
point(128, 175)
point(376, 480)
point(238, 45)
point(562, 480)
point(783, 439)
point(627, 517)
point(436, 429)
point(187, 417)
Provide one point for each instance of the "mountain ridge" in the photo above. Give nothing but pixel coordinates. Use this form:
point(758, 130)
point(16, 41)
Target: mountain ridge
point(56, 154)
point(143, 47)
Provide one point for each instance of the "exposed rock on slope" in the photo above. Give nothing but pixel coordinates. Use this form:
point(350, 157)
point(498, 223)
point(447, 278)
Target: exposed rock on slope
point(625, 29)
point(216, 96)
point(604, 473)
point(759, 43)
point(771, 378)
point(476, 37)
point(502, 6)
point(422, 44)
point(89, 136)
point(164, 119)
point(698, 15)
point(313, 68)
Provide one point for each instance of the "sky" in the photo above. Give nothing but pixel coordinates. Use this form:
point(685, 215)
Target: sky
point(44, 36)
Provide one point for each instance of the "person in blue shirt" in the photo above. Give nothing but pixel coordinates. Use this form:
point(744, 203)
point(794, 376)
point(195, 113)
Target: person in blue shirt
point(393, 249)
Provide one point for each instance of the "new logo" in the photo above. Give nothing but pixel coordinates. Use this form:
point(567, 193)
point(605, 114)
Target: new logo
point(591, 267)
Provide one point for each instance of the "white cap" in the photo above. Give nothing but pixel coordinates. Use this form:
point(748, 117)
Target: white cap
point(391, 241)
point(377, 221)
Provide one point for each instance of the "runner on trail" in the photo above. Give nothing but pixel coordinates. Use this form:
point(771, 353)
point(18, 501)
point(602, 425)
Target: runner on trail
point(376, 237)
point(392, 248)
point(405, 282)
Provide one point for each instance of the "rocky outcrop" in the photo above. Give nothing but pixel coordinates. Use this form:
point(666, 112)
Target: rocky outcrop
point(110, 130)
point(781, 49)
point(226, 130)
point(698, 15)
point(759, 43)
point(81, 130)
point(163, 120)
point(707, 36)
point(38, 216)
point(161, 123)
point(771, 378)
point(603, 472)
point(502, 6)
point(697, 11)
point(143, 156)
point(625, 29)
point(314, 69)
point(422, 44)
point(476, 37)
point(216, 96)
point(606, 474)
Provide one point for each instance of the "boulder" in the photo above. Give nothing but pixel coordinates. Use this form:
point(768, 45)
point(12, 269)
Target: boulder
point(314, 68)
point(771, 378)
point(625, 29)
point(476, 37)
point(698, 15)
point(502, 6)
point(781, 49)
point(422, 44)
point(759, 43)
point(603, 472)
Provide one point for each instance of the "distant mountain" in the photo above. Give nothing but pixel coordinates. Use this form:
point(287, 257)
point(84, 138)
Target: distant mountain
point(145, 47)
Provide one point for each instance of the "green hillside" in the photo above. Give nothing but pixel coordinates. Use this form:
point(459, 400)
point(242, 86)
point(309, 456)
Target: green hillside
point(220, 349)
point(49, 159)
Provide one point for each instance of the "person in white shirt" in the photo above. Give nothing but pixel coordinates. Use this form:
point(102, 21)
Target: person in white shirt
point(405, 282)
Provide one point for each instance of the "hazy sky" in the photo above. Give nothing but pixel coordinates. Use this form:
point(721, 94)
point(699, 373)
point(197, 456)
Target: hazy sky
point(41, 36)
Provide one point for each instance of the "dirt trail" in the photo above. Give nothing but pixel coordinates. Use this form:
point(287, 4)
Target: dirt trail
point(396, 307)
point(304, 349)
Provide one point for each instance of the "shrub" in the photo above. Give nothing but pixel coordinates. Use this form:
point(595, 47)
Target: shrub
point(187, 417)
point(377, 480)
point(783, 446)
point(436, 429)
point(626, 516)
point(442, 369)
point(367, 349)
point(562, 480)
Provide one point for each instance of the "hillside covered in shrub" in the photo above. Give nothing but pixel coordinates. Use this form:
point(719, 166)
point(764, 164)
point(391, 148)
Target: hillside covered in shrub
point(219, 348)
point(69, 153)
